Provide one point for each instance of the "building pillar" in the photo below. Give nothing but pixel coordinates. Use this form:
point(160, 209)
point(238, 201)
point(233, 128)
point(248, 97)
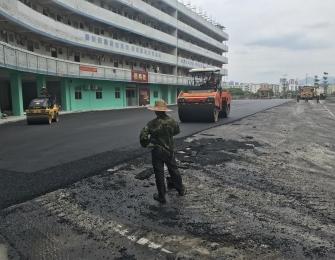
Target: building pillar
point(16, 91)
point(65, 94)
point(40, 83)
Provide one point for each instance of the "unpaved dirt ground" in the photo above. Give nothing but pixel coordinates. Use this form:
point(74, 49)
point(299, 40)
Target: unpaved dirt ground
point(260, 188)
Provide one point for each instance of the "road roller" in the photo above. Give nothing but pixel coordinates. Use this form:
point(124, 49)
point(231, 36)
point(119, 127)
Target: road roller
point(42, 110)
point(204, 99)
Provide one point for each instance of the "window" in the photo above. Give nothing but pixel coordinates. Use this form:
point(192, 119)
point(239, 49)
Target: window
point(77, 93)
point(77, 57)
point(98, 93)
point(11, 37)
point(117, 93)
point(155, 94)
point(53, 52)
point(30, 46)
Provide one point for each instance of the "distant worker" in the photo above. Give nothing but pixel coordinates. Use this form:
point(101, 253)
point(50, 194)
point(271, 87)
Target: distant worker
point(317, 94)
point(158, 135)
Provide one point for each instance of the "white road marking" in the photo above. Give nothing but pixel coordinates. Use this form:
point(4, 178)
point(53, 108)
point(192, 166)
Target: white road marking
point(3, 252)
point(142, 241)
point(115, 227)
point(166, 251)
point(330, 112)
point(154, 245)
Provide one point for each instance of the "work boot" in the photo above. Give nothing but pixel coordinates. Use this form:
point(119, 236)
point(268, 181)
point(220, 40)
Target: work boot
point(159, 199)
point(183, 191)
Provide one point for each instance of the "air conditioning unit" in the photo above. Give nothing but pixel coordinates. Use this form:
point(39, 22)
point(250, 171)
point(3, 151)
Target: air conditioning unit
point(87, 88)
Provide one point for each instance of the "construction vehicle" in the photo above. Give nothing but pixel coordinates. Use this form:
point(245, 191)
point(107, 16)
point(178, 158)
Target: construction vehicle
point(305, 93)
point(42, 110)
point(204, 99)
point(309, 93)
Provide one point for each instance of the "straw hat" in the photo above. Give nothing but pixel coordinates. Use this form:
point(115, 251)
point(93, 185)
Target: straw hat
point(160, 106)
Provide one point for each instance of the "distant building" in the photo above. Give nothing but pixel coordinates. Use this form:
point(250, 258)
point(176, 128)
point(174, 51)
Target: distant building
point(293, 85)
point(331, 90)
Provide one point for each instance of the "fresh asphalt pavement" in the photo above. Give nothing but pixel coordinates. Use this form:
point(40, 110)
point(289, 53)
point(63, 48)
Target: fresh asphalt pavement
point(36, 159)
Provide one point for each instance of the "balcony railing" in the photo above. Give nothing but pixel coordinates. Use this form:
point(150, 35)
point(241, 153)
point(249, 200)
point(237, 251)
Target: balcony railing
point(23, 60)
point(37, 22)
point(97, 13)
point(182, 8)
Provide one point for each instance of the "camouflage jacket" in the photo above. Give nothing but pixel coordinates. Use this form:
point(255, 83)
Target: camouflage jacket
point(160, 132)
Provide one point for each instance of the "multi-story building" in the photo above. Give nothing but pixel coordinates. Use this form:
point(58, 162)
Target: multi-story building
point(102, 54)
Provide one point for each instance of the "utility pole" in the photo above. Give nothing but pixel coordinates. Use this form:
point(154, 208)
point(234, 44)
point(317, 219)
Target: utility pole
point(325, 82)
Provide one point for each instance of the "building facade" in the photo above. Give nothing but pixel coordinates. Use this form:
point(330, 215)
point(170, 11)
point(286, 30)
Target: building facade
point(102, 54)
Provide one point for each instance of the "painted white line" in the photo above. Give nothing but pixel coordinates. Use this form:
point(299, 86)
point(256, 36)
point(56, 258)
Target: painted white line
point(154, 245)
point(166, 251)
point(86, 219)
point(142, 241)
point(3, 252)
point(330, 112)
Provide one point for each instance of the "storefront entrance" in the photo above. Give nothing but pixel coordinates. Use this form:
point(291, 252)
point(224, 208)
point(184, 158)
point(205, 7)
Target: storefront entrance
point(144, 96)
point(5, 97)
point(131, 97)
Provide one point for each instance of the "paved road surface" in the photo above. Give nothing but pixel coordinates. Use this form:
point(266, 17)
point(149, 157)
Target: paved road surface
point(256, 190)
point(39, 158)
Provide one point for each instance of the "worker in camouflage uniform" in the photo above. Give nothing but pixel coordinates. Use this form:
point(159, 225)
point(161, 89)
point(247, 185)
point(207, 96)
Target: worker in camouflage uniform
point(158, 135)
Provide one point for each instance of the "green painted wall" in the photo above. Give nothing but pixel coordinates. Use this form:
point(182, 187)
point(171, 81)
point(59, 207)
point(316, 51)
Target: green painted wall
point(172, 94)
point(16, 92)
point(154, 88)
point(65, 94)
point(88, 91)
point(164, 89)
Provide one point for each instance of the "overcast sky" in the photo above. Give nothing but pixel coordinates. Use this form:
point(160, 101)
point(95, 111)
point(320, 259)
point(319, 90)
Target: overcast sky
point(272, 38)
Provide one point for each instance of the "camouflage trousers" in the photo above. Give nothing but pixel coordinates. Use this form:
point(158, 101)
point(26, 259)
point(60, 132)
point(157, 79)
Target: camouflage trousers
point(161, 157)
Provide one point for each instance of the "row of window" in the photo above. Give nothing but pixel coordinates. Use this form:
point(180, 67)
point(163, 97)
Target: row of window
point(98, 93)
point(115, 34)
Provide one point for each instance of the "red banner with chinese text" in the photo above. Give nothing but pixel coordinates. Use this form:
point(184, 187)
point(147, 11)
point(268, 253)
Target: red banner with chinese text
point(139, 76)
point(88, 69)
